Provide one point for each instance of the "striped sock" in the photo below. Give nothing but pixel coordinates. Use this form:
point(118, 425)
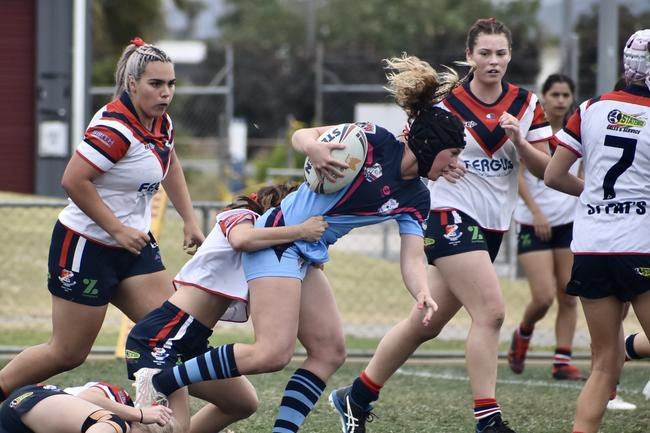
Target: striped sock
point(485, 409)
point(562, 356)
point(301, 394)
point(630, 353)
point(364, 391)
point(217, 363)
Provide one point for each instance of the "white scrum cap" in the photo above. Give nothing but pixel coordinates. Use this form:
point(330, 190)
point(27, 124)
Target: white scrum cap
point(636, 57)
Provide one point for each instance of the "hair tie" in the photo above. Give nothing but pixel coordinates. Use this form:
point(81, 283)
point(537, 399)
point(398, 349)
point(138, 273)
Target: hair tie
point(137, 41)
point(488, 20)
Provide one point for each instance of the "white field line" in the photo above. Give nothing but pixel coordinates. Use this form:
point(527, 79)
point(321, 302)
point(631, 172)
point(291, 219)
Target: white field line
point(533, 383)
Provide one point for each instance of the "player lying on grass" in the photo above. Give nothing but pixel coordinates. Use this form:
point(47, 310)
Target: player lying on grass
point(96, 407)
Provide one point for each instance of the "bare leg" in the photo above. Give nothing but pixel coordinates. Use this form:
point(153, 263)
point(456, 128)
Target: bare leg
point(538, 267)
point(404, 338)
point(137, 296)
point(275, 309)
point(567, 305)
point(62, 414)
point(603, 318)
point(320, 329)
point(479, 291)
point(74, 329)
point(230, 400)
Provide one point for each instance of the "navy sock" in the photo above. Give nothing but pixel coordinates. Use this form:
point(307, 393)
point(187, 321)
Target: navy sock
point(217, 363)
point(629, 347)
point(300, 396)
point(361, 394)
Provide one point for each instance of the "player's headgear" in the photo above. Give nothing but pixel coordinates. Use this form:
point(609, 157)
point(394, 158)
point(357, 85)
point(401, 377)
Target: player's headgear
point(636, 57)
point(433, 130)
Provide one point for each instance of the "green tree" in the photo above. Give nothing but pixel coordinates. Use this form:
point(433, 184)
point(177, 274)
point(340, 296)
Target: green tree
point(587, 30)
point(274, 64)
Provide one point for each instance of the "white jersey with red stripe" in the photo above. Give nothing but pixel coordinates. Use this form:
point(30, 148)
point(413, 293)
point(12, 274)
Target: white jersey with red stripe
point(133, 161)
point(558, 207)
point(112, 392)
point(217, 268)
point(488, 191)
point(612, 135)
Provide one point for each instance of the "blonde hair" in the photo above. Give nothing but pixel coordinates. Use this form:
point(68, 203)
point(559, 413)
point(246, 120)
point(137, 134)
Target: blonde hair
point(416, 85)
point(133, 62)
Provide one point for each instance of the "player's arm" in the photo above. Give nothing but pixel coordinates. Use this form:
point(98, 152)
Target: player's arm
point(176, 188)
point(156, 414)
point(78, 183)
point(414, 274)
point(535, 155)
point(541, 224)
point(246, 237)
point(559, 177)
point(305, 141)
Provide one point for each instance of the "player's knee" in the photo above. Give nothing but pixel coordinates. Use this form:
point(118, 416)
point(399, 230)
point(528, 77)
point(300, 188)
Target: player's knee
point(543, 302)
point(270, 361)
point(246, 406)
point(67, 360)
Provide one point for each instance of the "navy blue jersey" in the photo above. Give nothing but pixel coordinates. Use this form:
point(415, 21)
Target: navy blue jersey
point(377, 194)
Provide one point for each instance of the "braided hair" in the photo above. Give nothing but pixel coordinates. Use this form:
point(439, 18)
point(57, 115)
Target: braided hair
point(133, 62)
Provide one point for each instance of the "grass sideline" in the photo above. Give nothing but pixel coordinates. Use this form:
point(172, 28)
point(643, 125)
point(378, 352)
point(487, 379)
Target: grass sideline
point(427, 397)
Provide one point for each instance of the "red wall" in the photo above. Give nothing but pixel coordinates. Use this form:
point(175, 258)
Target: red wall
point(17, 63)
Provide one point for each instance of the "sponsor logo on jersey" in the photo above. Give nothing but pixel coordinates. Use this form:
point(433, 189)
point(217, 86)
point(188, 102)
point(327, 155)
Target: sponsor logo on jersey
point(373, 172)
point(429, 242)
point(388, 206)
point(623, 122)
point(90, 291)
point(67, 279)
point(159, 355)
point(470, 124)
point(149, 188)
point(490, 116)
point(452, 234)
point(621, 207)
point(367, 127)
point(104, 138)
point(492, 167)
point(644, 272)
point(131, 355)
point(385, 191)
point(16, 401)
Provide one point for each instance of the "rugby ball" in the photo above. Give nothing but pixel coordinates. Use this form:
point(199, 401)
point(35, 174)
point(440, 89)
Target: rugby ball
point(354, 155)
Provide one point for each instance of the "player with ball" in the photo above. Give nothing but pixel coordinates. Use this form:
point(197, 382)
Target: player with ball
point(290, 295)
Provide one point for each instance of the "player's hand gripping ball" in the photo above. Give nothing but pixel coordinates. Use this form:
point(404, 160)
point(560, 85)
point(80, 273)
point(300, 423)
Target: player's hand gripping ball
point(354, 155)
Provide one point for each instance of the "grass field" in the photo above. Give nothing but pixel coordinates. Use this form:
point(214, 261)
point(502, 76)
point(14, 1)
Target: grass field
point(431, 397)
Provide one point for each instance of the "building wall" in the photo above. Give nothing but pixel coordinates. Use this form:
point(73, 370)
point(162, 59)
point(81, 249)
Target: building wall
point(17, 139)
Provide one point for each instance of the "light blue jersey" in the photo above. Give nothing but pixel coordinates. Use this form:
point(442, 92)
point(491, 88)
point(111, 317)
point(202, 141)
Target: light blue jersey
point(377, 194)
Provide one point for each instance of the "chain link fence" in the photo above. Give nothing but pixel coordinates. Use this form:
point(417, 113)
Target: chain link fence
point(364, 273)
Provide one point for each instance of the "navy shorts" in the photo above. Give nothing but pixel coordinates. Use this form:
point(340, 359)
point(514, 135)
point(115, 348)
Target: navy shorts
point(164, 338)
point(22, 401)
point(86, 272)
point(454, 232)
point(600, 276)
point(528, 241)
